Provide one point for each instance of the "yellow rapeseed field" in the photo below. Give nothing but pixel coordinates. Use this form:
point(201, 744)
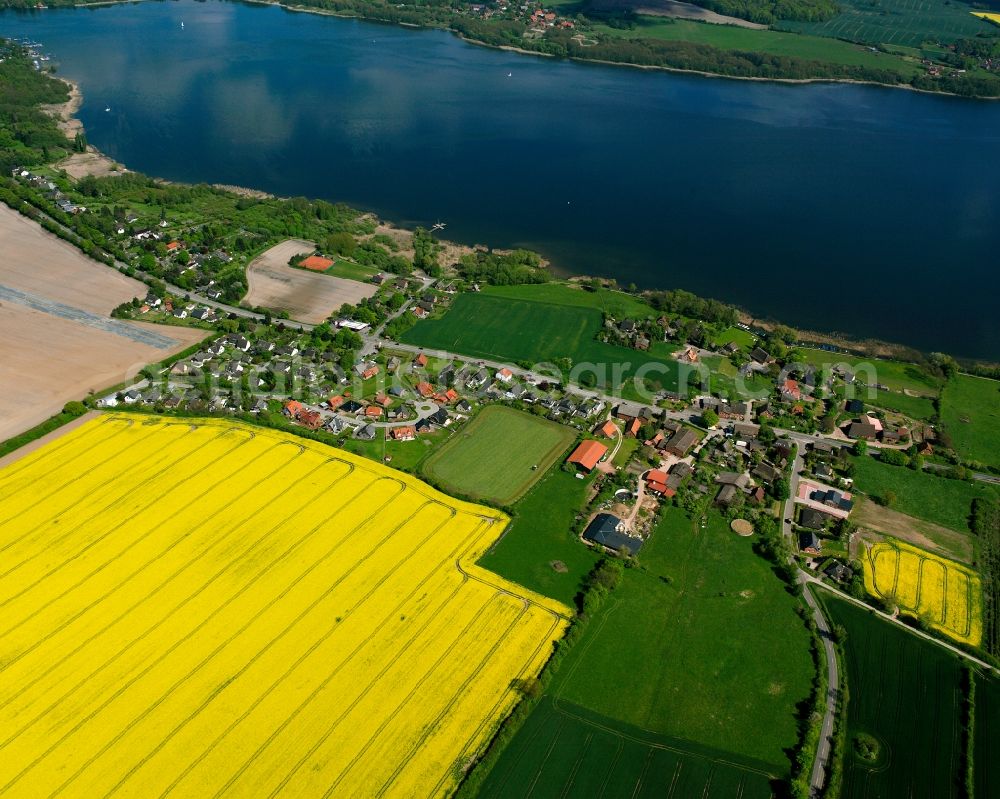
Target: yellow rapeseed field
point(200, 608)
point(987, 16)
point(948, 595)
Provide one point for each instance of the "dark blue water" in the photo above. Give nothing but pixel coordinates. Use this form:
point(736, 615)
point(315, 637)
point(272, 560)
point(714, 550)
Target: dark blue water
point(832, 207)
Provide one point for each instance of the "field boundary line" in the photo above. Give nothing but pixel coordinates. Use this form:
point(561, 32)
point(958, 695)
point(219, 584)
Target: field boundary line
point(525, 667)
point(222, 646)
point(886, 617)
point(43, 500)
point(110, 592)
point(312, 648)
point(14, 470)
point(346, 711)
point(177, 644)
point(106, 533)
point(486, 658)
point(143, 599)
point(177, 607)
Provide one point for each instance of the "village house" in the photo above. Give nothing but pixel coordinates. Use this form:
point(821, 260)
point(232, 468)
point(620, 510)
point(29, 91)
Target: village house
point(407, 433)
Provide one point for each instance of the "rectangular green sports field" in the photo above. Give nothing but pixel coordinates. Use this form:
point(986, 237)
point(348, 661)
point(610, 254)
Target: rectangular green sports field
point(499, 456)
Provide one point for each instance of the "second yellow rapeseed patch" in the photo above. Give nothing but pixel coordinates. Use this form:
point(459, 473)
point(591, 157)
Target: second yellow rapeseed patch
point(201, 608)
point(991, 17)
point(944, 593)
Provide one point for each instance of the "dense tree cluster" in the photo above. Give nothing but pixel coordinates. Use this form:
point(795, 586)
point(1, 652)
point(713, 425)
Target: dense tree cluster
point(684, 303)
point(986, 526)
point(28, 136)
point(767, 12)
point(503, 269)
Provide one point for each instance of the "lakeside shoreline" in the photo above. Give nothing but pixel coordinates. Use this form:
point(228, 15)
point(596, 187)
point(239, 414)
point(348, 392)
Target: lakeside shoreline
point(872, 347)
point(605, 62)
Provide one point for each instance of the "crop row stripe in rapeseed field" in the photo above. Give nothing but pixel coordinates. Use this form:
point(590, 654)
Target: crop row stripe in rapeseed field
point(285, 503)
point(265, 616)
point(947, 593)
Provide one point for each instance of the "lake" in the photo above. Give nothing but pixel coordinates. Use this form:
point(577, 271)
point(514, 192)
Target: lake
point(833, 207)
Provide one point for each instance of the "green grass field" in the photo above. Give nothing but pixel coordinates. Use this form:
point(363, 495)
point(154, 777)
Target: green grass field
point(525, 327)
point(730, 37)
point(541, 534)
point(895, 375)
point(921, 494)
point(742, 338)
point(987, 740)
point(904, 692)
point(920, 408)
point(351, 271)
point(566, 750)
point(490, 326)
point(901, 22)
point(702, 644)
point(405, 455)
point(492, 457)
point(617, 303)
point(970, 410)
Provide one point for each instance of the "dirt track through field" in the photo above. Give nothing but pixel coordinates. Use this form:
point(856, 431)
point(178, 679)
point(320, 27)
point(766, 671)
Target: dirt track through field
point(57, 341)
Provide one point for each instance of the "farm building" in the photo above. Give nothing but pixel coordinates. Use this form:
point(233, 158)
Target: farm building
point(587, 455)
point(609, 531)
point(681, 442)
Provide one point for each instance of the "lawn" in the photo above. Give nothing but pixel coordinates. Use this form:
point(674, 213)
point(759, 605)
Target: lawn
point(905, 692)
point(351, 271)
point(540, 534)
point(731, 37)
point(702, 644)
point(741, 337)
point(970, 410)
point(617, 303)
point(912, 407)
point(405, 455)
point(499, 455)
point(527, 331)
point(566, 750)
point(921, 494)
point(901, 22)
point(894, 375)
point(303, 621)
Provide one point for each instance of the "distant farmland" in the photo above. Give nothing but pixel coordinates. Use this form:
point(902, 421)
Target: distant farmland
point(896, 22)
point(493, 457)
point(566, 750)
point(199, 608)
point(905, 693)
